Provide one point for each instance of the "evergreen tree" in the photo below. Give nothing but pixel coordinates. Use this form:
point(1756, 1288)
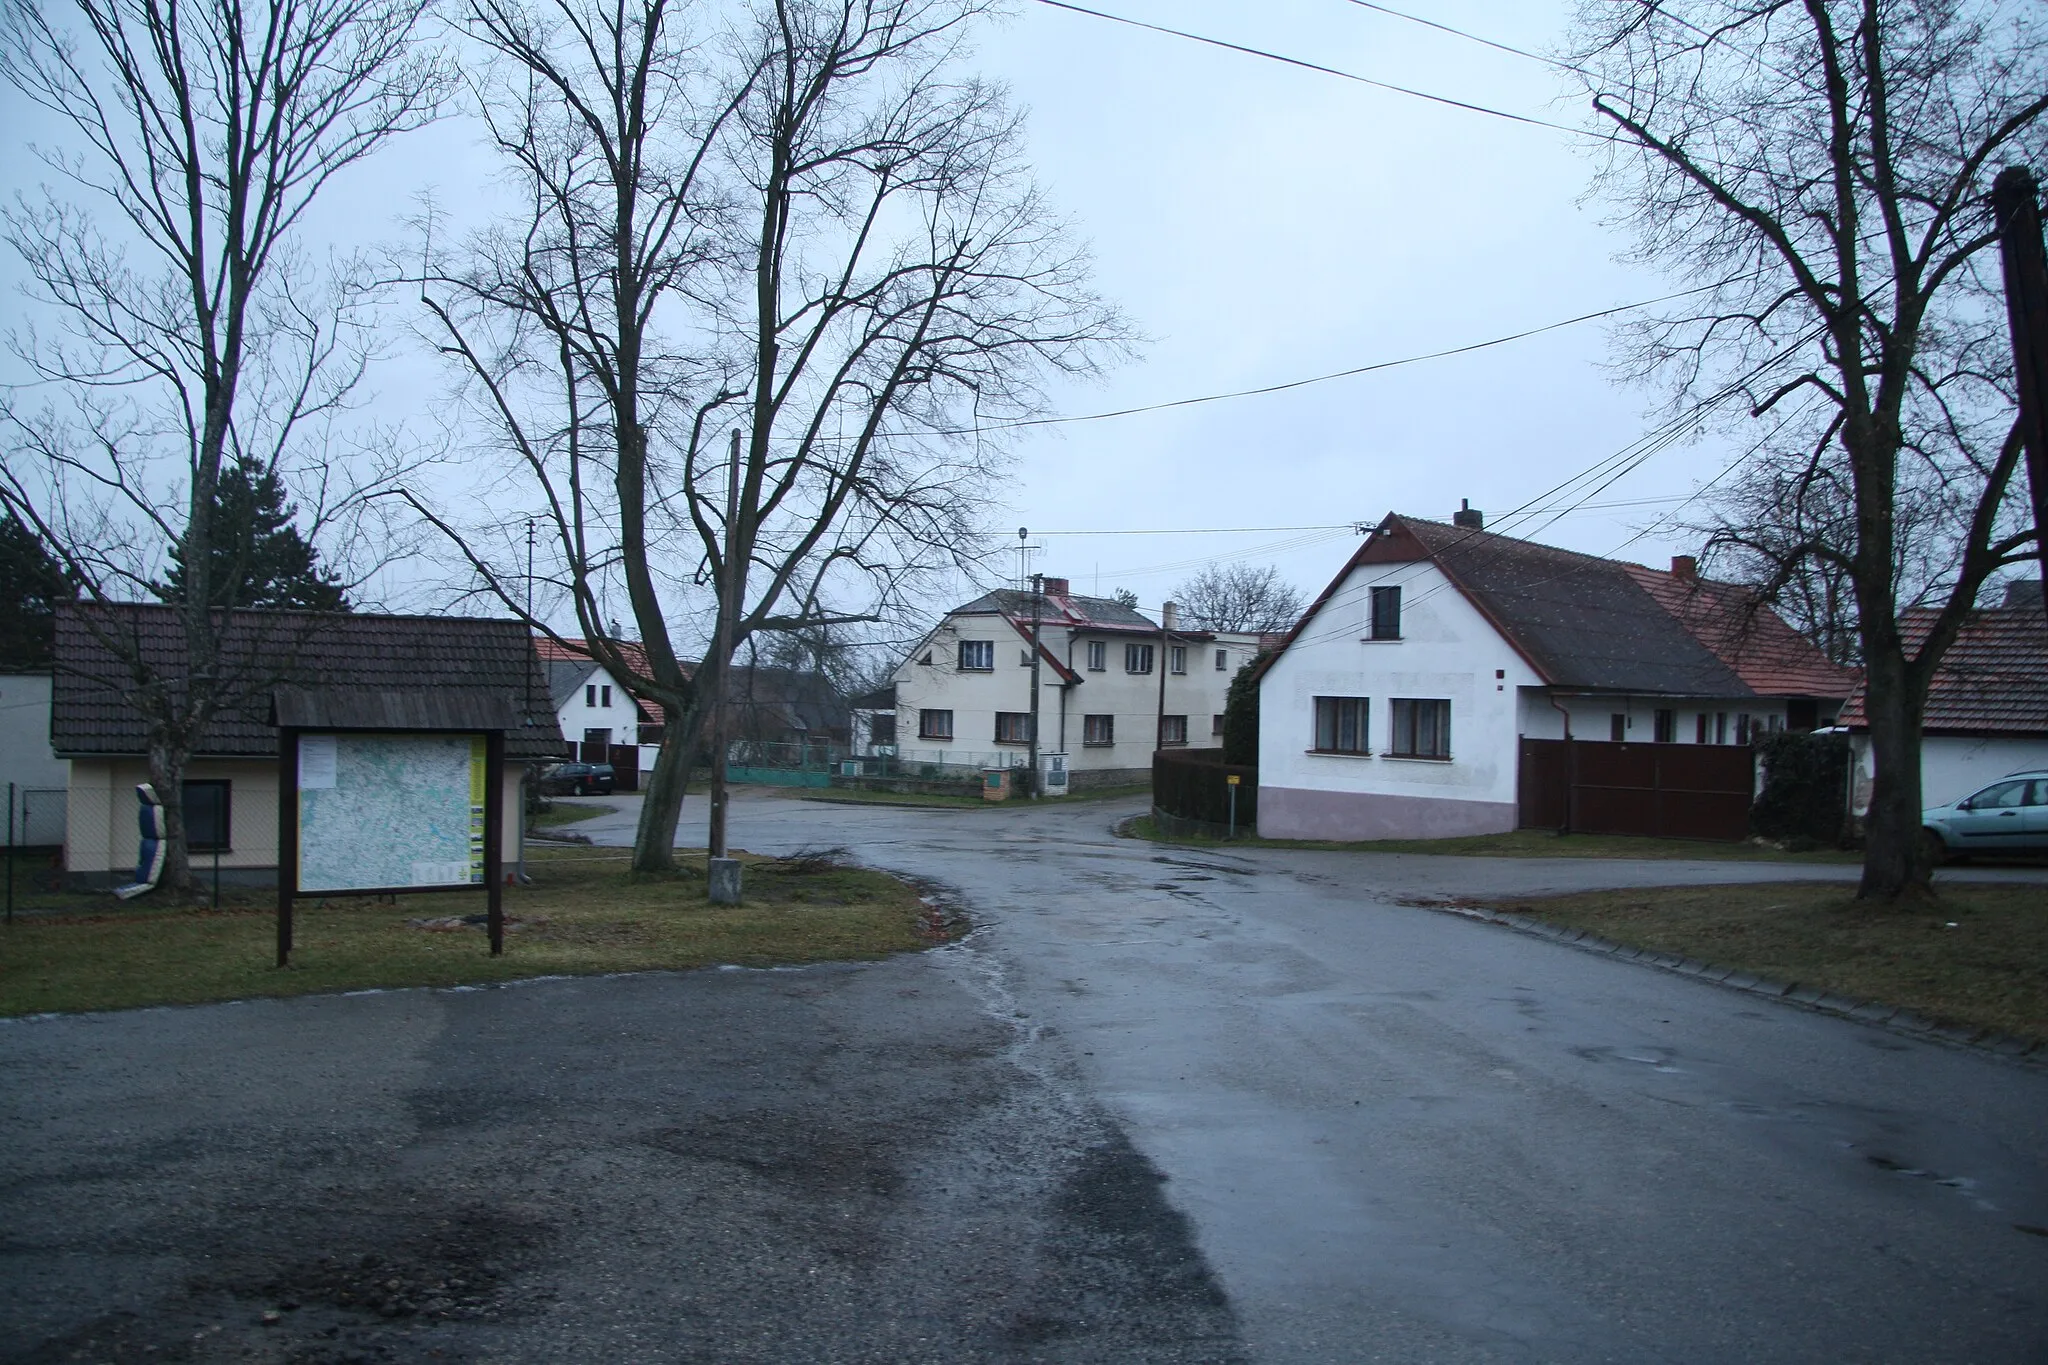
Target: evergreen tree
point(258, 558)
point(32, 583)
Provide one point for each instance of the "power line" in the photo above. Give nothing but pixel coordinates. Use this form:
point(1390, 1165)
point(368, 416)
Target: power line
point(1461, 33)
point(1332, 71)
point(1203, 530)
point(1338, 374)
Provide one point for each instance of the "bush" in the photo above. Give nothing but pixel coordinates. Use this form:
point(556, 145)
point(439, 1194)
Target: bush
point(1805, 795)
point(1241, 716)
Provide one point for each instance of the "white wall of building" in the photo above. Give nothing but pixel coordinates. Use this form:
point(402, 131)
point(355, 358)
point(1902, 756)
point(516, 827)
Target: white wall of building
point(1132, 699)
point(1954, 766)
point(1592, 717)
point(1447, 652)
point(583, 711)
point(25, 756)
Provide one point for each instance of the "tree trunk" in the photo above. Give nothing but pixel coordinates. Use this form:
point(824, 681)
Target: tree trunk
point(1894, 865)
point(167, 764)
point(661, 809)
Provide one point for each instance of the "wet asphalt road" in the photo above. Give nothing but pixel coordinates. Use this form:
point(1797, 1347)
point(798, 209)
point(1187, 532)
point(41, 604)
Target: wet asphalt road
point(1162, 1106)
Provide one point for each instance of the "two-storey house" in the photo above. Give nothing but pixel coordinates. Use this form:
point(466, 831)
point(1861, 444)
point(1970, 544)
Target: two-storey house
point(1113, 685)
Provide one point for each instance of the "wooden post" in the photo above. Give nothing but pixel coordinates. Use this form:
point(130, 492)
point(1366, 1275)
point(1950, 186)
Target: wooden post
point(2016, 205)
point(287, 838)
point(494, 837)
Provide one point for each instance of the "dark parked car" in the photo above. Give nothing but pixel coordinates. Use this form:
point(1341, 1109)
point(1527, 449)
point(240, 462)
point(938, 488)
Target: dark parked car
point(577, 779)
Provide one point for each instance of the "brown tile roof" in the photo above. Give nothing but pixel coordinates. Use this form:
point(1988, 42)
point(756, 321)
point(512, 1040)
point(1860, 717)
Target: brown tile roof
point(479, 666)
point(1583, 622)
point(1993, 680)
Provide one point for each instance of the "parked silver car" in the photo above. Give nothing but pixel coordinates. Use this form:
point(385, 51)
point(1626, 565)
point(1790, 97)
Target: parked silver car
point(2009, 816)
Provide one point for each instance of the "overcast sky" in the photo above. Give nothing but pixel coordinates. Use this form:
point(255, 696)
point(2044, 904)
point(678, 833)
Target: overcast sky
point(1261, 223)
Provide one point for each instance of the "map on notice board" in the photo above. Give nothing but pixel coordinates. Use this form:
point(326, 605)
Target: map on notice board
point(390, 811)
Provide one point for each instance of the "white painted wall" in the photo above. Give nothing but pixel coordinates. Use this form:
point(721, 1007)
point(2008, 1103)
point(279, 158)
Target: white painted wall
point(1592, 717)
point(1132, 698)
point(621, 717)
point(25, 756)
point(1953, 766)
point(1448, 651)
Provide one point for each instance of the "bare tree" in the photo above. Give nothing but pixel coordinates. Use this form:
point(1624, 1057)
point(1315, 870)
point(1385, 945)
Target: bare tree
point(190, 332)
point(1239, 597)
point(848, 267)
point(1823, 165)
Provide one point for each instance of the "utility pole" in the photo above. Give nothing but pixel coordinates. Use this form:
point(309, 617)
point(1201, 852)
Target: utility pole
point(1165, 639)
point(1037, 615)
point(2016, 205)
point(721, 656)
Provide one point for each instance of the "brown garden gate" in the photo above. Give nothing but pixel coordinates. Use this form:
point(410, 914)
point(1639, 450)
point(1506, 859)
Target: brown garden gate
point(1680, 791)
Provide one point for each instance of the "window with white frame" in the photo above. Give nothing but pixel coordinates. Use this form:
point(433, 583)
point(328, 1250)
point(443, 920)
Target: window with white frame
point(1097, 731)
point(1097, 652)
point(1173, 730)
point(977, 656)
point(1342, 725)
point(1216, 724)
point(1222, 660)
point(1177, 659)
point(1023, 658)
point(1137, 658)
point(1013, 727)
point(934, 724)
point(590, 695)
point(1422, 728)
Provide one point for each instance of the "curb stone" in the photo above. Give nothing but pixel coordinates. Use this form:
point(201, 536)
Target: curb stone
point(1871, 1012)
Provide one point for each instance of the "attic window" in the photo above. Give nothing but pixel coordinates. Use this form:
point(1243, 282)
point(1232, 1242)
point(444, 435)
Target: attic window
point(977, 656)
point(1386, 614)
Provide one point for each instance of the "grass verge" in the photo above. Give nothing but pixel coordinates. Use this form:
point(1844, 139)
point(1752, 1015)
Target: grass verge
point(559, 814)
point(585, 913)
point(1521, 843)
point(1978, 956)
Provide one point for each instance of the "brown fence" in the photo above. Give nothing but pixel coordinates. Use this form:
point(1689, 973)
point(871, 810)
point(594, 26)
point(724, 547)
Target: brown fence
point(1193, 785)
point(1680, 791)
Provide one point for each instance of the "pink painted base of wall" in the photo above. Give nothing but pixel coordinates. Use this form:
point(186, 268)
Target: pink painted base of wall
point(1299, 813)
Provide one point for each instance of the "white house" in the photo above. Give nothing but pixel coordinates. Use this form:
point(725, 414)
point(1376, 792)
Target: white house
point(1987, 708)
point(1397, 706)
point(1114, 685)
point(594, 708)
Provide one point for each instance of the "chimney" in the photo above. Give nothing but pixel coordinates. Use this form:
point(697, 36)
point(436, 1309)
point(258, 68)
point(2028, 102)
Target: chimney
point(1684, 568)
point(1169, 615)
point(1468, 516)
point(1056, 587)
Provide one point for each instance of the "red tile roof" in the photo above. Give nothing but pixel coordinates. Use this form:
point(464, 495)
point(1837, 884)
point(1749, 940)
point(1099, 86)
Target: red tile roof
point(1993, 680)
point(1774, 659)
point(577, 650)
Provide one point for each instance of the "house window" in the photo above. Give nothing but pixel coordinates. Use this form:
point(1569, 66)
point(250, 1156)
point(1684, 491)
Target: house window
point(1177, 659)
point(1098, 730)
point(1013, 727)
point(927, 659)
point(1215, 725)
point(1422, 728)
point(1667, 727)
point(1137, 658)
point(1222, 660)
point(1096, 650)
point(1701, 728)
point(590, 695)
point(1342, 725)
point(977, 656)
point(206, 816)
point(1617, 727)
point(1720, 727)
point(1173, 730)
point(1386, 613)
point(605, 696)
point(882, 730)
point(934, 724)
point(1023, 658)
point(1777, 723)
point(1742, 728)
